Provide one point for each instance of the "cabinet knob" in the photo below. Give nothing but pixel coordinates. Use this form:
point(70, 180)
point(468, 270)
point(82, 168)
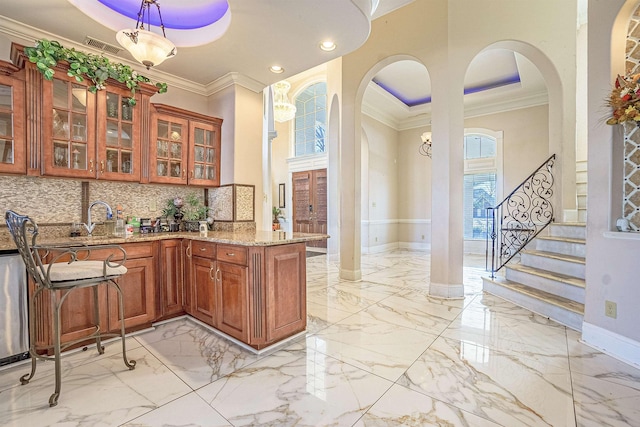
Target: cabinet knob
point(184, 173)
point(218, 275)
point(101, 166)
point(203, 249)
point(90, 165)
point(230, 254)
point(211, 272)
point(189, 250)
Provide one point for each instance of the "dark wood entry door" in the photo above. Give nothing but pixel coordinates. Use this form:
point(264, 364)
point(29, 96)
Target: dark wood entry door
point(310, 204)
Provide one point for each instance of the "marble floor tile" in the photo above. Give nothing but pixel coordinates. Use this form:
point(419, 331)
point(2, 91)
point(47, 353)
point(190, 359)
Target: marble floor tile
point(377, 352)
point(200, 356)
point(190, 410)
point(401, 407)
point(415, 309)
point(295, 388)
point(378, 347)
point(320, 316)
point(350, 300)
point(10, 377)
point(589, 361)
point(100, 393)
point(600, 402)
point(507, 390)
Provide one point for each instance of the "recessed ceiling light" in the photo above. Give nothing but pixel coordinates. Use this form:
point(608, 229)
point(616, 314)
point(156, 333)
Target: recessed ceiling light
point(276, 69)
point(327, 46)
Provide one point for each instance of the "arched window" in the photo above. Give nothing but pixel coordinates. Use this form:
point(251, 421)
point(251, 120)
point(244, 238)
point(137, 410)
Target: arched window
point(311, 120)
point(479, 183)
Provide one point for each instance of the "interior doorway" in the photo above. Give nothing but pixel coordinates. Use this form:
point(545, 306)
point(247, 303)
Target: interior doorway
point(310, 204)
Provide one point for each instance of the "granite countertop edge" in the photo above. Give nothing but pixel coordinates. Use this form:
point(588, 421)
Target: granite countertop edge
point(257, 238)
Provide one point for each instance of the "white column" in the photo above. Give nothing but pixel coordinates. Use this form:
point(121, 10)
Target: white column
point(447, 131)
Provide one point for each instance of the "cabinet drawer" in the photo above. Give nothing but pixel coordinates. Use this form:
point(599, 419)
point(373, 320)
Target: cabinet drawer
point(203, 249)
point(233, 254)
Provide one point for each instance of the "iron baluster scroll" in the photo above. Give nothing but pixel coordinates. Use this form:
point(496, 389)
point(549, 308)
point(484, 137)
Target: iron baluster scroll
point(520, 217)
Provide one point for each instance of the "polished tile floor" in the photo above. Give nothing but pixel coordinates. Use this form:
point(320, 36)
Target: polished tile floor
point(379, 352)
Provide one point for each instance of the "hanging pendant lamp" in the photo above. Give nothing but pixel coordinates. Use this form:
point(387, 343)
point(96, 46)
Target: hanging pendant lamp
point(148, 48)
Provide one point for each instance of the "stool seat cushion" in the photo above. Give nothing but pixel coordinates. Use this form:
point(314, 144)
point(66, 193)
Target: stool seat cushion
point(79, 270)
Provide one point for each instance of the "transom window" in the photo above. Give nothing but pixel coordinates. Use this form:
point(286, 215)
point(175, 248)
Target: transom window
point(311, 120)
point(479, 187)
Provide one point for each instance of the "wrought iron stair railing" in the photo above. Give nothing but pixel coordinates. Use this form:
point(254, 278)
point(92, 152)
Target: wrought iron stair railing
point(520, 217)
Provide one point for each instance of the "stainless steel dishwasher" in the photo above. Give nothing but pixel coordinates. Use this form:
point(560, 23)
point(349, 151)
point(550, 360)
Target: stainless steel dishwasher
point(14, 319)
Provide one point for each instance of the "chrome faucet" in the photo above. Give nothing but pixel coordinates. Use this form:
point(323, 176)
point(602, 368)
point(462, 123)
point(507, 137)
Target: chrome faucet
point(90, 226)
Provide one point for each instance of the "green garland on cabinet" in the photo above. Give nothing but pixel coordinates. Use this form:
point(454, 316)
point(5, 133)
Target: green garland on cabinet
point(46, 54)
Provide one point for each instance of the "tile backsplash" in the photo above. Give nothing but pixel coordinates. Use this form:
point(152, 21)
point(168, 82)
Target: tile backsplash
point(59, 201)
point(56, 203)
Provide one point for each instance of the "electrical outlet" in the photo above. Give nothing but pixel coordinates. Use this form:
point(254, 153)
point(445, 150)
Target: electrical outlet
point(610, 309)
point(423, 237)
point(376, 239)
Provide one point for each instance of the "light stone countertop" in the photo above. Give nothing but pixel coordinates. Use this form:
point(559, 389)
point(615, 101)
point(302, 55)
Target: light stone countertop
point(244, 238)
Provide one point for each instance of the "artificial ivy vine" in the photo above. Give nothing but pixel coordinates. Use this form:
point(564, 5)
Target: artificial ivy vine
point(46, 54)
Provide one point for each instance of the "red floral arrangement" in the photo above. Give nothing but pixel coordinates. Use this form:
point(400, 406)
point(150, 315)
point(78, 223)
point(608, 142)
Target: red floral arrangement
point(625, 100)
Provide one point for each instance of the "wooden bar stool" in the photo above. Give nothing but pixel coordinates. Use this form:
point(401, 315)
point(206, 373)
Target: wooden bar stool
point(66, 269)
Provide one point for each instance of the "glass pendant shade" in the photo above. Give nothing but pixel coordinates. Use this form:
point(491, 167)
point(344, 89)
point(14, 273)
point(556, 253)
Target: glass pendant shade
point(283, 110)
point(148, 48)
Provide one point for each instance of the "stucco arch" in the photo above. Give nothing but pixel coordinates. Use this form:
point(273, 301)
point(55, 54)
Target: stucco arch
point(559, 142)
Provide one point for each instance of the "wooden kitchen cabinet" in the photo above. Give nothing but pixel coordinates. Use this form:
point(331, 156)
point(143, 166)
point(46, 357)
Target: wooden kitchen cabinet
point(76, 314)
point(12, 120)
point(185, 147)
point(286, 297)
point(171, 280)
point(203, 298)
point(231, 291)
point(74, 133)
point(202, 269)
point(68, 127)
point(138, 289)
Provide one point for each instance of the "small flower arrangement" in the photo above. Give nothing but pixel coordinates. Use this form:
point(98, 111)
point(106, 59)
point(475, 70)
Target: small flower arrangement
point(625, 100)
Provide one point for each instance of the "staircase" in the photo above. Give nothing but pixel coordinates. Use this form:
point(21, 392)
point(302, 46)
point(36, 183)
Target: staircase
point(548, 280)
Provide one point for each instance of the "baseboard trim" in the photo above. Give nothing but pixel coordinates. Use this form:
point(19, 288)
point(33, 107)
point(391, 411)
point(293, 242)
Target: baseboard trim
point(441, 290)
point(426, 247)
point(615, 345)
point(351, 275)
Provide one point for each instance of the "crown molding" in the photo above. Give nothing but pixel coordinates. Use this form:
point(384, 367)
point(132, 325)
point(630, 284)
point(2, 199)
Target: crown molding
point(233, 79)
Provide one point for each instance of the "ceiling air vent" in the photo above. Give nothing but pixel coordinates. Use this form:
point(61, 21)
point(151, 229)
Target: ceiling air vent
point(105, 47)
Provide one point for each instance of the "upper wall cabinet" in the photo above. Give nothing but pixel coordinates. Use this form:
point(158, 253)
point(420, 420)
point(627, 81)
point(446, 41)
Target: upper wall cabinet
point(74, 133)
point(185, 147)
point(12, 139)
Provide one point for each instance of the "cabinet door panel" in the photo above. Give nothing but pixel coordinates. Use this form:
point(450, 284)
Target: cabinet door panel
point(204, 154)
point(68, 128)
point(138, 289)
point(12, 126)
point(77, 315)
point(286, 290)
point(203, 295)
point(168, 149)
point(171, 278)
point(231, 290)
point(118, 134)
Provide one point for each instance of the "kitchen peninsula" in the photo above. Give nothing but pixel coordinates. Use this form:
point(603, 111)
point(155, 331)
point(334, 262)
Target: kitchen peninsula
point(251, 286)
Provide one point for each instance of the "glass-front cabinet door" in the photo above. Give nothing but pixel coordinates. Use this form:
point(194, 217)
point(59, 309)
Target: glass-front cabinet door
point(204, 157)
point(169, 149)
point(118, 136)
point(12, 141)
point(68, 129)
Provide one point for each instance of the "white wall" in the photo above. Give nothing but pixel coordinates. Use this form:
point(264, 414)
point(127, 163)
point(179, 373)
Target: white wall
point(380, 185)
point(612, 257)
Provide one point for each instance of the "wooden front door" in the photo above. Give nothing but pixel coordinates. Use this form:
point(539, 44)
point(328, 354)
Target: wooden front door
point(310, 204)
